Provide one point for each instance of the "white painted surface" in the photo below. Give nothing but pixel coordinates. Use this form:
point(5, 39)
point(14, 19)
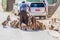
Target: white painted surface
point(39, 35)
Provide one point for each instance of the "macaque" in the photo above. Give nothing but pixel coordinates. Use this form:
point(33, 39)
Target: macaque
point(8, 18)
point(5, 23)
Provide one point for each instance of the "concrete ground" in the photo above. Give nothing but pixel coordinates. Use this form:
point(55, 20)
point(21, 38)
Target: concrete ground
point(17, 34)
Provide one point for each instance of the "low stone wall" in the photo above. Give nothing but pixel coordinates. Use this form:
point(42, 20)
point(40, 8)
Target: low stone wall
point(52, 9)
